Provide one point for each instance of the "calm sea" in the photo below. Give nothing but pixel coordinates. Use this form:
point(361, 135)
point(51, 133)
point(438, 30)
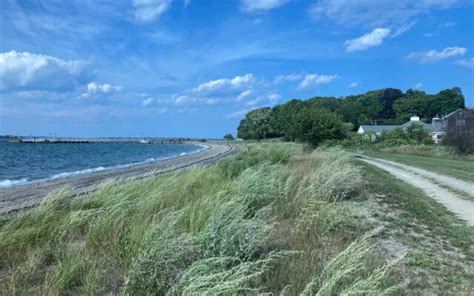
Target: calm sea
point(22, 163)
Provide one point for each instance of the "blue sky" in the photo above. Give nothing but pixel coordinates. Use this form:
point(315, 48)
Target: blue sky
point(195, 67)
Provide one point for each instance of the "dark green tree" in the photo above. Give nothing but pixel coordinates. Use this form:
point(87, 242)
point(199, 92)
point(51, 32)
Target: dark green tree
point(256, 125)
point(229, 137)
point(283, 117)
point(313, 125)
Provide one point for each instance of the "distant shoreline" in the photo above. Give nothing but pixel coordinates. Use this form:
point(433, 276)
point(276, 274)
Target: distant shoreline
point(26, 181)
point(14, 199)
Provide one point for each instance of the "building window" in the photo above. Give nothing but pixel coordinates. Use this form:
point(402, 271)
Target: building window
point(460, 122)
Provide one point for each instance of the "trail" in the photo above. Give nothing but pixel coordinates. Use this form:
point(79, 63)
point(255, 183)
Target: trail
point(428, 182)
point(15, 199)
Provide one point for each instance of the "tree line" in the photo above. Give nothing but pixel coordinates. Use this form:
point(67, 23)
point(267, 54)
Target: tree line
point(322, 118)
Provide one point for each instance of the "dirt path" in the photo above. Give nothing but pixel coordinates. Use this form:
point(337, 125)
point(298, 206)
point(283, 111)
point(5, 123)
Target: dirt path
point(16, 198)
point(427, 181)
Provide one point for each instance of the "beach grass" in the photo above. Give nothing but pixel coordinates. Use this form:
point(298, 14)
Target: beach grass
point(275, 219)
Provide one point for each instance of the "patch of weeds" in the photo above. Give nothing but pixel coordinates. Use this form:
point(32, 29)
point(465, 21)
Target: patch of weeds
point(423, 260)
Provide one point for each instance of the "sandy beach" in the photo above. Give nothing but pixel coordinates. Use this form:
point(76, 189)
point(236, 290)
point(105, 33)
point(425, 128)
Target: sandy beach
point(14, 199)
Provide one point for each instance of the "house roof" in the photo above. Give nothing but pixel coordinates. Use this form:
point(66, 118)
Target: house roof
point(387, 128)
point(455, 111)
point(410, 123)
point(379, 128)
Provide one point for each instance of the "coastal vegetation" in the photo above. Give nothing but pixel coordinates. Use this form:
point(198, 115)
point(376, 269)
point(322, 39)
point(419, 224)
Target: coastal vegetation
point(275, 219)
point(279, 218)
point(229, 137)
point(323, 118)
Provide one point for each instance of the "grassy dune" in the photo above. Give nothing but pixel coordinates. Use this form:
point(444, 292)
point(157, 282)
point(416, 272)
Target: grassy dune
point(272, 220)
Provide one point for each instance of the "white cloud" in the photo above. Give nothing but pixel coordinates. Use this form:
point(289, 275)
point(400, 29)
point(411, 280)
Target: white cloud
point(353, 84)
point(419, 85)
point(365, 41)
point(254, 101)
point(466, 63)
point(28, 71)
point(290, 77)
point(104, 89)
point(244, 94)
point(211, 101)
point(403, 28)
point(148, 101)
point(434, 55)
point(274, 97)
point(179, 100)
point(261, 5)
point(375, 13)
point(237, 114)
point(150, 10)
point(224, 86)
point(316, 79)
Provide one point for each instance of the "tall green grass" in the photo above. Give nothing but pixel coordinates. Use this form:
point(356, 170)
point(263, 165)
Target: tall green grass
point(274, 219)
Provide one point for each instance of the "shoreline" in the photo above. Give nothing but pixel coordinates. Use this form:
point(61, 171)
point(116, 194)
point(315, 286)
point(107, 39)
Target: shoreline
point(16, 198)
point(26, 181)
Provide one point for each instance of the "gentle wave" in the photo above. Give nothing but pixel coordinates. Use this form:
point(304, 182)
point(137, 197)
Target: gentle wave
point(67, 174)
point(12, 183)
point(9, 183)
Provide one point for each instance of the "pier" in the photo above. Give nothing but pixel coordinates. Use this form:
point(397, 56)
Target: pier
point(69, 140)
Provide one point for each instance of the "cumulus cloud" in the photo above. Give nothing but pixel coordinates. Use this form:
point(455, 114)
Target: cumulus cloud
point(261, 5)
point(374, 38)
point(148, 102)
point(375, 13)
point(224, 86)
point(290, 77)
point(245, 89)
point(466, 63)
point(434, 55)
point(28, 71)
point(150, 10)
point(103, 89)
point(353, 84)
point(316, 79)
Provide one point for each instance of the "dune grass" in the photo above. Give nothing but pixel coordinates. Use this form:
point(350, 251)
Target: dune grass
point(274, 219)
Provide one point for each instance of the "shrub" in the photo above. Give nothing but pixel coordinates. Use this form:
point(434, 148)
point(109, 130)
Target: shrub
point(226, 276)
point(353, 272)
point(462, 142)
point(164, 256)
point(335, 177)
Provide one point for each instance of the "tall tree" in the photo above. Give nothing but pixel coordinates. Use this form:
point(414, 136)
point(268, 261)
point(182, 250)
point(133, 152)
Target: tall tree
point(315, 125)
point(256, 125)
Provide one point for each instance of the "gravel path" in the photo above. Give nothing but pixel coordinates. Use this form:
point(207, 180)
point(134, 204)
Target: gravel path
point(16, 198)
point(423, 179)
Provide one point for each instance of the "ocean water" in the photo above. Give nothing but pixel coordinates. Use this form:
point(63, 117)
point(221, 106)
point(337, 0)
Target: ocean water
point(23, 163)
